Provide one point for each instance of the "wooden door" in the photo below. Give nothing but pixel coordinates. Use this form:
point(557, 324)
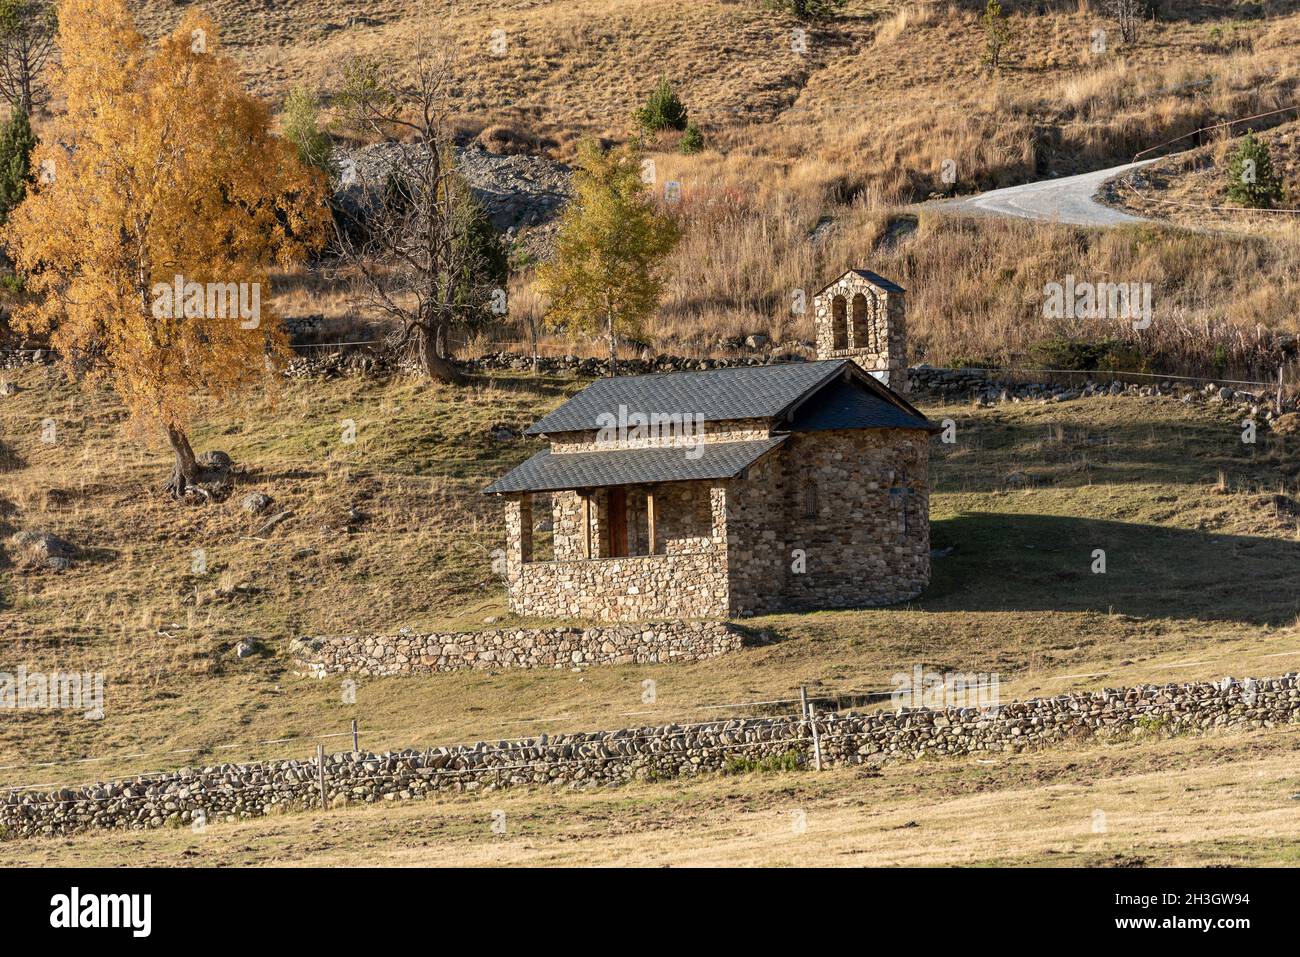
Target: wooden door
point(617, 522)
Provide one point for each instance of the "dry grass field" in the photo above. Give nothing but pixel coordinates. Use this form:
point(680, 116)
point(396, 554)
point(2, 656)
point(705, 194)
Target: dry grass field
point(1191, 189)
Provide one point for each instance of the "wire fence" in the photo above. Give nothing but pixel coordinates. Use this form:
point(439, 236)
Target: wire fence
point(832, 697)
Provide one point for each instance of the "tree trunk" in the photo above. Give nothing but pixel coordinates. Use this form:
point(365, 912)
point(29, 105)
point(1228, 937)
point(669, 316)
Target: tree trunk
point(432, 363)
point(185, 472)
point(613, 344)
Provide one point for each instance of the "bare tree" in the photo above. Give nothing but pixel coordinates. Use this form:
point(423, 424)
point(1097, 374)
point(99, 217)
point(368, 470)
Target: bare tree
point(417, 242)
point(27, 31)
point(1128, 14)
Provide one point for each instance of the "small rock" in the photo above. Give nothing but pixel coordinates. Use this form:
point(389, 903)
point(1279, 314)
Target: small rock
point(215, 461)
point(245, 649)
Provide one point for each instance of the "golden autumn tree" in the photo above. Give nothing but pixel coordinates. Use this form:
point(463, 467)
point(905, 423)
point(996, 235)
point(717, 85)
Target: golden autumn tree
point(161, 202)
point(606, 273)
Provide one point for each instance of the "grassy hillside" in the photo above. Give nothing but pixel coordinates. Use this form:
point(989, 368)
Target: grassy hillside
point(837, 138)
point(391, 532)
point(814, 163)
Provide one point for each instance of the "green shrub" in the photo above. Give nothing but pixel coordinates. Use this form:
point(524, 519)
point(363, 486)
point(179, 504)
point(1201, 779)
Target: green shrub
point(301, 123)
point(1251, 179)
point(807, 9)
point(692, 140)
point(789, 761)
point(664, 110)
point(997, 33)
point(1083, 355)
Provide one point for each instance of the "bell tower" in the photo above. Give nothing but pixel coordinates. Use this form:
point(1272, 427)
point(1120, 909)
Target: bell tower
point(861, 316)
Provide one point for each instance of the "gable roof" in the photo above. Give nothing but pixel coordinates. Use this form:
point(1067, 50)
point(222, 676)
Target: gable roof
point(547, 472)
point(741, 392)
point(874, 278)
point(847, 404)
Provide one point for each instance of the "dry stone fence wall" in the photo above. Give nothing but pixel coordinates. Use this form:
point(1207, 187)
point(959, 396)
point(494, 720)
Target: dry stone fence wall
point(234, 791)
point(387, 655)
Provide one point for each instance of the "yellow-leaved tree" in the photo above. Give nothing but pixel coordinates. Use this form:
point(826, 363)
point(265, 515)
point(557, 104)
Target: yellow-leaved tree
point(606, 271)
point(161, 202)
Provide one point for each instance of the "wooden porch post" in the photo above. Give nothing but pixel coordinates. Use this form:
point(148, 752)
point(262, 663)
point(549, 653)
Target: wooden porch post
point(650, 517)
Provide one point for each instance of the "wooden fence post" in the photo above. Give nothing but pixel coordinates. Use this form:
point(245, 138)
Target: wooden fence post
point(803, 702)
point(817, 742)
point(356, 740)
point(320, 770)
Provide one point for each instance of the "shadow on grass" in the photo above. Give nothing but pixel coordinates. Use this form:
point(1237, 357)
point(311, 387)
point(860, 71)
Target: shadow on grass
point(1045, 563)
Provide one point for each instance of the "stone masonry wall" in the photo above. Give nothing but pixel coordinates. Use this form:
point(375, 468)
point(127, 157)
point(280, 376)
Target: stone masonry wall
point(856, 504)
point(230, 792)
point(643, 587)
point(387, 655)
point(869, 542)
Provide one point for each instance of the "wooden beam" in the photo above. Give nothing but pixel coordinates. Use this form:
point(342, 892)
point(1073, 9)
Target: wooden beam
point(650, 517)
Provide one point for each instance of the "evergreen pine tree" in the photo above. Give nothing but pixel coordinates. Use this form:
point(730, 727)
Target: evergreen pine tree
point(16, 144)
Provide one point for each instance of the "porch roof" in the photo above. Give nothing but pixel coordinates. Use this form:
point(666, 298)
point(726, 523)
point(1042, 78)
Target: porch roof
point(552, 472)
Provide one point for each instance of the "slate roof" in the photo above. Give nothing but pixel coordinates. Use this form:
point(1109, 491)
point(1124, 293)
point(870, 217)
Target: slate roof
point(744, 392)
point(875, 278)
point(845, 404)
point(546, 472)
point(794, 397)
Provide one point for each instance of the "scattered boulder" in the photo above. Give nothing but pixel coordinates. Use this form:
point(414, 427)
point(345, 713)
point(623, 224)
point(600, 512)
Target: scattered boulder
point(8, 388)
point(255, 503)
point(246, 648)
point(756, 341)
point(43, 548)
